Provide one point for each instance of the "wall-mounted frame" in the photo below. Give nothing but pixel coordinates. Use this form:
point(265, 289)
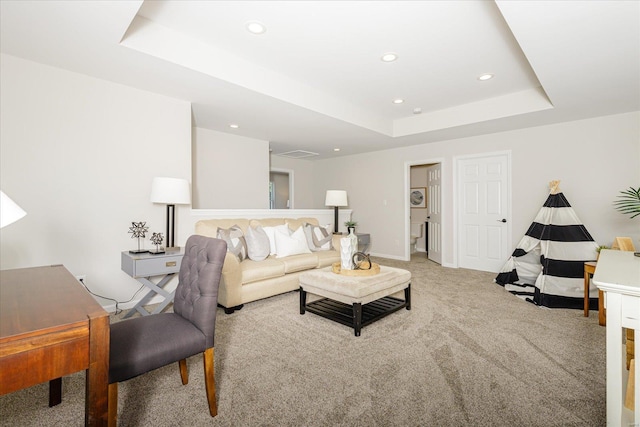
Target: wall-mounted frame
point(418, 197)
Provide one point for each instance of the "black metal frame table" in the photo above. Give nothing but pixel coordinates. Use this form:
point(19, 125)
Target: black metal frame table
point(357, 301)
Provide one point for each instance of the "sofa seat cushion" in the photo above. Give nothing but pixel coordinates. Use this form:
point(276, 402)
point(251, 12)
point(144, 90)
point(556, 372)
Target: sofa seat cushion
point(253, 271)
point(326, 258)
point(300, 262)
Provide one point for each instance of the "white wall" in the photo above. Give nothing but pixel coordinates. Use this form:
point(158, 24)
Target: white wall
point(594, 159)
point(229, 171)
point(79, 154)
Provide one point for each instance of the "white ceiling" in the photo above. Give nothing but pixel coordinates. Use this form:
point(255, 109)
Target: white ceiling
point(314, 80)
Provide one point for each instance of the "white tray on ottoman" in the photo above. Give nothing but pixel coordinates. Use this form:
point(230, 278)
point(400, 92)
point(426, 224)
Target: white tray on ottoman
point(355, 300)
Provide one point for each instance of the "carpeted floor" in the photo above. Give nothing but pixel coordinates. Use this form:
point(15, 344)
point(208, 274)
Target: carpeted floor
point(468, 353)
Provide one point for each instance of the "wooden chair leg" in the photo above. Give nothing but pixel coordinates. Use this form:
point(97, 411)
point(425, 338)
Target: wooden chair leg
point(184, 373)
point(112, 405)
point(210, 381)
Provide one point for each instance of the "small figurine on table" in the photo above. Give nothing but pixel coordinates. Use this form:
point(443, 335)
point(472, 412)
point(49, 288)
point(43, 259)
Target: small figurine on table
point(156, 239)
point(138, 230)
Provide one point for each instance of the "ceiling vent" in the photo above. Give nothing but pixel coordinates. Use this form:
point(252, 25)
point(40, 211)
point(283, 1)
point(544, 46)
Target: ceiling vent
point(297, 154)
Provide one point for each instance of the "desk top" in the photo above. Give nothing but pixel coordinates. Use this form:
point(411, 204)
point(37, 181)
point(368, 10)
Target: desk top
point(40, 298)
point(618, 271)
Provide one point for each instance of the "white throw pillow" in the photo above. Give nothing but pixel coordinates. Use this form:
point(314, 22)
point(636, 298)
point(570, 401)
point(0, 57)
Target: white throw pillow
point(258, 245)
point(294, 244)
point(270, 231)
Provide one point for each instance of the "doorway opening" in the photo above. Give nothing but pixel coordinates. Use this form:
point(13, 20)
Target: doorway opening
point(423, 220)
point(280, 189)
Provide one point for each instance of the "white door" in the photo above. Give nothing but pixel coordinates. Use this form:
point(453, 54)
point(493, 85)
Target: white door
point(434, 214)
point(484, 206)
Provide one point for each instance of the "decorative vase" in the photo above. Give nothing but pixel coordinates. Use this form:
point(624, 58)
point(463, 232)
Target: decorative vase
point(346, 253)
point(354, 240)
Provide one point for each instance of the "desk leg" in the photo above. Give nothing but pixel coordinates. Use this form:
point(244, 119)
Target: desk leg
point(636, 378)
point(55, 392)
point(614, 360)
point(97, 376)
point(586, 292)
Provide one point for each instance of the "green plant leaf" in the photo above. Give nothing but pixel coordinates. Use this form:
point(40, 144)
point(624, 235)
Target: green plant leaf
point(629, 202)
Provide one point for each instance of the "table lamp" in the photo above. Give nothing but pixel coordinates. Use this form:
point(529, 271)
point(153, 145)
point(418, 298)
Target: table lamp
point(172, 192)
point(335, 198)
point(10, 212)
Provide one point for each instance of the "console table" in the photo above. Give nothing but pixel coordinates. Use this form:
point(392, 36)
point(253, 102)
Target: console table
point(143, 267)
point(618, 275)
point(51, 327)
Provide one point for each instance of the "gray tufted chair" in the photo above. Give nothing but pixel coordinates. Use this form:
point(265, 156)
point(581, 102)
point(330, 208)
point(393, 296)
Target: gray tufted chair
point(146, 343)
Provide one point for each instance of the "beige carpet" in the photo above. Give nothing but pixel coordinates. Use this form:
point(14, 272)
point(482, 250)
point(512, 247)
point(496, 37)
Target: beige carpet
point(468, 353)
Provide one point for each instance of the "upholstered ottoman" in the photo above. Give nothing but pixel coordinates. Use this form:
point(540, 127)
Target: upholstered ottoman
point(355, 300)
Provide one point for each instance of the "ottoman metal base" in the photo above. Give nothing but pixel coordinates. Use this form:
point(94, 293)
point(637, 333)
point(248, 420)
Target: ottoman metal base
point(356, 315)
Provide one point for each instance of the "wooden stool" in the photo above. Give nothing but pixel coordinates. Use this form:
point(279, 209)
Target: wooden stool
point(589, 270)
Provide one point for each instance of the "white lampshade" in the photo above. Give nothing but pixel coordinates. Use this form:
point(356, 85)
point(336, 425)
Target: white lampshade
point(10, 212)
point(170, 191)
point(336, 198)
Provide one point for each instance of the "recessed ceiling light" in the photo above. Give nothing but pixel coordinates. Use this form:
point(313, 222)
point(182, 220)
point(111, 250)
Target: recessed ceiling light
point(485, 77)
point(255, 27)
point(336, 149)
point(417, 110)
point(398, 101)
point(389, 57)
point(234, 126)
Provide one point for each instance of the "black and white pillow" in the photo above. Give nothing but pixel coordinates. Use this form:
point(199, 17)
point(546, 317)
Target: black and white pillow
point(236, 242)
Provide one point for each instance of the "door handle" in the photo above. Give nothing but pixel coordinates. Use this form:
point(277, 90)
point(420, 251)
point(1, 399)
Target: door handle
point(501, 220)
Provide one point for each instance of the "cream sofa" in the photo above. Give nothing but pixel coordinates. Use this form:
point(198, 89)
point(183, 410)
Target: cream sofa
point(248, 280)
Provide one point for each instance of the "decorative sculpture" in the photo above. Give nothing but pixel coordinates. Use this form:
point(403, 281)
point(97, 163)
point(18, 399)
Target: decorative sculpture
point(138, 230)
point(156, 239)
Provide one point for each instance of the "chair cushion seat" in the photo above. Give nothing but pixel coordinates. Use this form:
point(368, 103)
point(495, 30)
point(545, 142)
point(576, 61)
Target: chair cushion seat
point(146, 343)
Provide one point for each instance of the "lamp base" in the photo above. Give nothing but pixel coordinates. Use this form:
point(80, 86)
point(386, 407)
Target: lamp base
point(138, 251)
point(157, 251)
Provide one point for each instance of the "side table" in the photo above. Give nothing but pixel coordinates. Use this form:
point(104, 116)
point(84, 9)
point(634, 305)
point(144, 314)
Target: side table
point(363, 241)
point(143, 267)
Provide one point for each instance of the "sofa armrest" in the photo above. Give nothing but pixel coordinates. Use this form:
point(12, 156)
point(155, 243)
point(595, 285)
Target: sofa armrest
point(230, 290)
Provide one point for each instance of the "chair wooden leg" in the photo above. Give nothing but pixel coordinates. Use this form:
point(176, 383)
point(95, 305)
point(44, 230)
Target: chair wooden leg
point(210, 381)
point(112, 405)
point(184, 373)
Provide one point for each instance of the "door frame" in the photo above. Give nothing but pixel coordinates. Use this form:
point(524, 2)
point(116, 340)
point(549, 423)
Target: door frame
point(457, 192)
point(407, 208)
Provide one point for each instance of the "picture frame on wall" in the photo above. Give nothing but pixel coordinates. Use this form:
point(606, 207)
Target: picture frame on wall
point(418, 197)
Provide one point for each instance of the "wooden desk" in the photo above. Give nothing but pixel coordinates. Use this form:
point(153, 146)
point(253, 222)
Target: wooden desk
point(51, 327)
point(618, 275)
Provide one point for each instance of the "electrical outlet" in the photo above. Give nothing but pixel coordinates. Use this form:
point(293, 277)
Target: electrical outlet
point(81, 277)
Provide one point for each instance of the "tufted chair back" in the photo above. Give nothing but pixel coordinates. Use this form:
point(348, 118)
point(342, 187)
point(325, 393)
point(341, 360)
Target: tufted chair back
point(196, 296)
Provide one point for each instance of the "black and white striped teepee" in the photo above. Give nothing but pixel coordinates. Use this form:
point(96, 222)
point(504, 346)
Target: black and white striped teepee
point(547, 267)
